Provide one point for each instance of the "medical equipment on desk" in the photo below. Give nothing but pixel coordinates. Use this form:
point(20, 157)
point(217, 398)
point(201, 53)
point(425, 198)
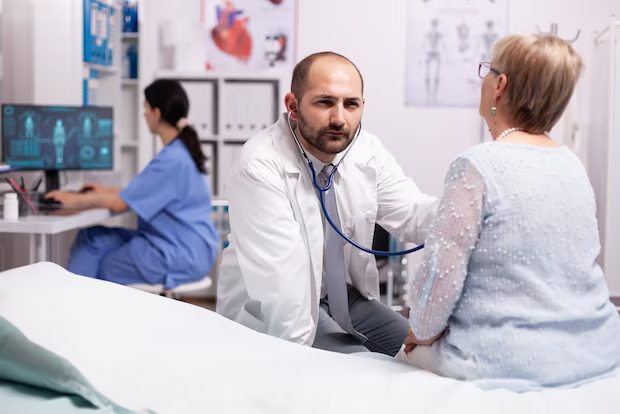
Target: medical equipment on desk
point(330, 180)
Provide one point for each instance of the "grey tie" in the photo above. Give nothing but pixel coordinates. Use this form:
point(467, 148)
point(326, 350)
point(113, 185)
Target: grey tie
point(337, 297)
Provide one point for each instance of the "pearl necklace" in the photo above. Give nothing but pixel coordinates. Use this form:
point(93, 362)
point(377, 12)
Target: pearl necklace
point(507, 132)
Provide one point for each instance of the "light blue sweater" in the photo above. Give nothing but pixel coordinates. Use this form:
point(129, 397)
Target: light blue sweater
point(510, 273)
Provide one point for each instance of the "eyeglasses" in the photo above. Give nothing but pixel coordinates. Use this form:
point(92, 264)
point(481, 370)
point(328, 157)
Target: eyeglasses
point(484, 68)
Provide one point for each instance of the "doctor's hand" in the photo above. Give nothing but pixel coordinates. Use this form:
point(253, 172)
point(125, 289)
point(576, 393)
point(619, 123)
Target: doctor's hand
point(411, 341)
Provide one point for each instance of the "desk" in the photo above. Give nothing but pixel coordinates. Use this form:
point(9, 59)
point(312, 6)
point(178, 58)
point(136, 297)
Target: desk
point(44, 226)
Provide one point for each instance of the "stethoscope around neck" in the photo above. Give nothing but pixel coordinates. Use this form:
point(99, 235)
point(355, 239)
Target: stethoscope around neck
point(322, 189)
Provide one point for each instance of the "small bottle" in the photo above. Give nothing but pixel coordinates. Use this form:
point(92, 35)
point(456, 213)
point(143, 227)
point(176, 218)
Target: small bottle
point(132, 57)
point(10, 206)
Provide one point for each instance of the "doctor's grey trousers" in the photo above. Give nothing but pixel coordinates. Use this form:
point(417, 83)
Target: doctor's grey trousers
point(385, 329)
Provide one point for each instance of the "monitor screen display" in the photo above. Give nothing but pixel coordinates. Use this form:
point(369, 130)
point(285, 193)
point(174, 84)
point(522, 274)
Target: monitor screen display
point(57, 137)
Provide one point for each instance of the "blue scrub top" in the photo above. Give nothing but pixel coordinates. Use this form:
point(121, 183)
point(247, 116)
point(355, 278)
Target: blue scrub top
point(176, 236)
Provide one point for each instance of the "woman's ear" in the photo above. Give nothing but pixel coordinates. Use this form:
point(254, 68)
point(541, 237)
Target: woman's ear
point(500, 87)
point(157, 114)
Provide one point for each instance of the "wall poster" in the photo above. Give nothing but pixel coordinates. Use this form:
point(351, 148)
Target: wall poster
point(446, 39)
point(249, 34)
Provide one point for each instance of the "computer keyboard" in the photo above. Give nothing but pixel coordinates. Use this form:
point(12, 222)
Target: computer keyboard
point(48, 203)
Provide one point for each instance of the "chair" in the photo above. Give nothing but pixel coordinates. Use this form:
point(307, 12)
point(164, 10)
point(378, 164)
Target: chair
point(220, 219)
point(176, 292)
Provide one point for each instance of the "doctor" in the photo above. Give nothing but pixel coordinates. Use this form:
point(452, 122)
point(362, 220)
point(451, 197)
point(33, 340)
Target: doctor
point(286, 272)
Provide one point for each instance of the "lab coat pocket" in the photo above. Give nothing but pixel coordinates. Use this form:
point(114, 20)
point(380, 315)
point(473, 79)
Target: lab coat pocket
point(360, 230)
point(364, 227)
point(348, 225)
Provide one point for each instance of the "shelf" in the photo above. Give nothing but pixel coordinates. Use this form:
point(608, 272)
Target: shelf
point(129, 145)
point(219, 202)
point(129, 82)
point(266, 76)
point(236, 141)
point(130, 36)
point(101, 68)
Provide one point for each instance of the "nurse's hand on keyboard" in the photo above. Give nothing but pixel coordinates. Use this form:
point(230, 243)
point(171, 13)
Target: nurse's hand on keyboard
point(99, 188)
point(45, 200)
point(67, 198)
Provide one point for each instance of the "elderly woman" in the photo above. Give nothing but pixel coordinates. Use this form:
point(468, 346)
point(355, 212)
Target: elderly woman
point(509, 293)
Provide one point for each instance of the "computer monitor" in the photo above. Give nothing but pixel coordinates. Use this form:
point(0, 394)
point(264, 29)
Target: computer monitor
point(55, 138)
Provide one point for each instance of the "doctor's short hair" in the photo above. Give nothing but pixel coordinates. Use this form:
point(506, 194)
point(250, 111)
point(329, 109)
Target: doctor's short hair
point(542, 72)
point(300, 73)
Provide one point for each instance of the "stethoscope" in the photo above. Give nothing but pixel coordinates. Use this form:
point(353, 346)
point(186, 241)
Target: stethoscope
point(321, 190)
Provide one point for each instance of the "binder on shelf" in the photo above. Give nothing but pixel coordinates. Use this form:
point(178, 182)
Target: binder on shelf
point(202, 115)
point(209, 148)
point(250, 105)
point(231, 151)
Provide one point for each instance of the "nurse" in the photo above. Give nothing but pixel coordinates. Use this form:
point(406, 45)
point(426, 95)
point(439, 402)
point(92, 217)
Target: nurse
point(176, 241)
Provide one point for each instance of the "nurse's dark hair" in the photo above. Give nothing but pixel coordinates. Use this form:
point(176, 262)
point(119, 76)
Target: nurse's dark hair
point(302, 69)
point(170, 98)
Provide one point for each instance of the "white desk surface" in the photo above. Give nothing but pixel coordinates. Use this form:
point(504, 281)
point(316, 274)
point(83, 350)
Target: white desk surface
point(55, 223)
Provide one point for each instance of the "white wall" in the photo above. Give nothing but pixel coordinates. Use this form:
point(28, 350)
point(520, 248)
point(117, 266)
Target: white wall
point(605, 151)
point(152, 14)
point(613, 226)
point(612, 241)
point(40, 65)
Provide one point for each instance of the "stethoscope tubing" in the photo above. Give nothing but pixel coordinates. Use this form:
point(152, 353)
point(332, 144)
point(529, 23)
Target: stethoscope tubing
point(328, 186)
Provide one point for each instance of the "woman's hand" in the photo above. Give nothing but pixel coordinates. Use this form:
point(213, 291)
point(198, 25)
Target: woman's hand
point(98, 188)
point(411, 341)
point(107, 197)
point(66, 197)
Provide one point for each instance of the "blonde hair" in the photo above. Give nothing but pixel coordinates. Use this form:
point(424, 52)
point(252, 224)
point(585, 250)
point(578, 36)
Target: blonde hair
point(542, 71)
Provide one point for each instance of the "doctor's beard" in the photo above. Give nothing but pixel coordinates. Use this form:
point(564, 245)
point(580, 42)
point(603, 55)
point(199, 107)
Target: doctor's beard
point(332, 139)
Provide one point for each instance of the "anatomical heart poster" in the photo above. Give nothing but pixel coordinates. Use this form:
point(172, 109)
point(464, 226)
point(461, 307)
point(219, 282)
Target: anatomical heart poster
point(249, 34)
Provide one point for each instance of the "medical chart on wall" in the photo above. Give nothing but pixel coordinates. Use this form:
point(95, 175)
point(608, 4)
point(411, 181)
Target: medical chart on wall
point(446, 39)
point(249, 34)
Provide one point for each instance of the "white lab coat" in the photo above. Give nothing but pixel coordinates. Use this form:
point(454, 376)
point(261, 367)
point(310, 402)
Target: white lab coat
point(270, 274)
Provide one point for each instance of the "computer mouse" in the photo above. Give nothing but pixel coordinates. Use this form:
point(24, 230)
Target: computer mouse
point(86, 189)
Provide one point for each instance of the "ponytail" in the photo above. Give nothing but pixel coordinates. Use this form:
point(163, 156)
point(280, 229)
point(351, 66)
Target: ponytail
point(189, 137)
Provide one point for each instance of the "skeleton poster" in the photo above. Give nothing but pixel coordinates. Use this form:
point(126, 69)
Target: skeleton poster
point(249, 34)
point(446, 39)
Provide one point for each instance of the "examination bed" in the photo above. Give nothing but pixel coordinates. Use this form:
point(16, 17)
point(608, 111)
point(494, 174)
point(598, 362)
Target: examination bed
point(128, 350)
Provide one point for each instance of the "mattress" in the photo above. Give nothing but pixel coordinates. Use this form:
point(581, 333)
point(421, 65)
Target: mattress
point(144, 351)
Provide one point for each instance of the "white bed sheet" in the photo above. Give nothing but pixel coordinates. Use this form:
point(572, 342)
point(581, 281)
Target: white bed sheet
point(145, 351)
